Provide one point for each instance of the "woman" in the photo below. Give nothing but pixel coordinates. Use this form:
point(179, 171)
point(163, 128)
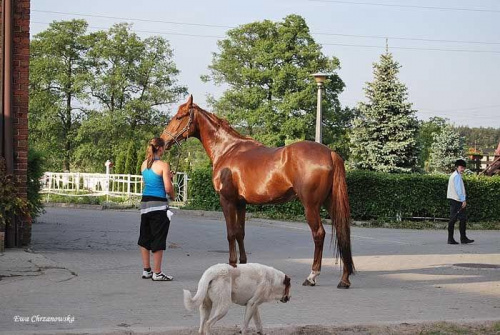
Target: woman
point(158, 188)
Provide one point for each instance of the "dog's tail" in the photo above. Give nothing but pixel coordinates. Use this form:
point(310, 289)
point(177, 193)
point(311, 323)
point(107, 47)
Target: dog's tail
point(191, 302)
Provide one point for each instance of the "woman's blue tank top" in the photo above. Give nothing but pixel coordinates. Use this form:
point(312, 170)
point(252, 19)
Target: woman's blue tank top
point(153, 184)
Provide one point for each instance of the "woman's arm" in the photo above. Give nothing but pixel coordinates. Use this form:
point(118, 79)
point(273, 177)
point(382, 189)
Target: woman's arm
point(167, 181)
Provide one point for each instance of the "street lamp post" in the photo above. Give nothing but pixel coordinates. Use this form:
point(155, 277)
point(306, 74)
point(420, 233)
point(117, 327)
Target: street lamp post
point(320, 80)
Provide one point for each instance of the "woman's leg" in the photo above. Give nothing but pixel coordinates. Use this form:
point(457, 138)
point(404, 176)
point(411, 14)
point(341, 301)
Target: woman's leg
point(157, 258)
point(146, 261)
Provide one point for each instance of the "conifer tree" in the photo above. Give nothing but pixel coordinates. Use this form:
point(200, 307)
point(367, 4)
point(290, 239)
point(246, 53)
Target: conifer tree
point(131, 160)
point(384, 136)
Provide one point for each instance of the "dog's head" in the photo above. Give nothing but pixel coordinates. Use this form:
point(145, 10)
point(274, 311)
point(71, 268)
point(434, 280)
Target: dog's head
point(286, 292)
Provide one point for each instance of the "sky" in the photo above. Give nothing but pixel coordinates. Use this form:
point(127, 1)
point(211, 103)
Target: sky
point(449, 50)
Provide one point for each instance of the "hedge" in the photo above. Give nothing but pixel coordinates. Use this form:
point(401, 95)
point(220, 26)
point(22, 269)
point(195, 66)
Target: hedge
point(375, 195)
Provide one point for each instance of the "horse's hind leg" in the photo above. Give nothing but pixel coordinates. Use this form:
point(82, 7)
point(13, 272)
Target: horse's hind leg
point(229, 210)
point(318, 233)
point(344, 281)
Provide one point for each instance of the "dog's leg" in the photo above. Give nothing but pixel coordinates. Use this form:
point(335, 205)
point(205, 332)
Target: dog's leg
point(219, 312)
point(258, 321)
point(220, 295)
point(249, 314)
point(205, 309)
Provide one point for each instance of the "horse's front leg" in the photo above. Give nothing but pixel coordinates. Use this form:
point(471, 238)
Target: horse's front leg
point(318, 233)
point(229, 210)
point(240, 233)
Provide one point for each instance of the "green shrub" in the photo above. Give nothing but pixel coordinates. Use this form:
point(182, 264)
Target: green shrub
point(35, 172)
point(376, 195)
point(201, 191)
point(11, 204)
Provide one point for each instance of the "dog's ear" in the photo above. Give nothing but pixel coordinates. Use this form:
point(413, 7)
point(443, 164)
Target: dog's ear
point(286, 281)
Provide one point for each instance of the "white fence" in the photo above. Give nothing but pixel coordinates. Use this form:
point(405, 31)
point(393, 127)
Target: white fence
point(97, 184)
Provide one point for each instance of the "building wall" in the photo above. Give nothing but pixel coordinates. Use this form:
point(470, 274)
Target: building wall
point(20, 100)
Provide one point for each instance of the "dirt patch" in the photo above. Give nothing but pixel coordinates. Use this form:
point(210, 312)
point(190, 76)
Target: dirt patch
point(436, 328)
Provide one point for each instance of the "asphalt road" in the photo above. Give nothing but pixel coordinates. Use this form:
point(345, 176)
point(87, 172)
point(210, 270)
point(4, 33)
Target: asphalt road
point(86, 264)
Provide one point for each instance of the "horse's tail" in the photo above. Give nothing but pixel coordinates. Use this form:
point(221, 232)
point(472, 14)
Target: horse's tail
point(340, 213)
point(210, 274)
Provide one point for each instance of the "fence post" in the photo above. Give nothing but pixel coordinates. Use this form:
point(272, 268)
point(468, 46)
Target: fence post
point(50, 186)
point(185, 191)
point(77, 182)
point(128, 185)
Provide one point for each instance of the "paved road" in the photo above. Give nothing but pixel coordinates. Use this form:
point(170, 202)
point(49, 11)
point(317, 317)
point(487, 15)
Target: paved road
point(86, 265)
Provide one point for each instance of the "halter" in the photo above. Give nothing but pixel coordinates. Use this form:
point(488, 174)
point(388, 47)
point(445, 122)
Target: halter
point(175, 138)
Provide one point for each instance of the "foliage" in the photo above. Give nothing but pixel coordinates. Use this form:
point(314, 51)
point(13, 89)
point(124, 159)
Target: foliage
point(446, 148)
point(127, 82)
point(11, 203)
point(131, 160)
point(271, 94)
point(485, 139)
point(191, 155)
point(35, 172)
point(132, 75)
point(384, 136)
point(377, 195)
point(58, 78)
point(132, 80)
point(426, 133)
point(201, 191)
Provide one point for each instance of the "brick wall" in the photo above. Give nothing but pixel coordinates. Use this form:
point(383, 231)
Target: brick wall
point(21, 58)
point(20, 96)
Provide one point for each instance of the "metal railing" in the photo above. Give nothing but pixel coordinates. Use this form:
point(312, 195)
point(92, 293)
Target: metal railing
point(98, 184)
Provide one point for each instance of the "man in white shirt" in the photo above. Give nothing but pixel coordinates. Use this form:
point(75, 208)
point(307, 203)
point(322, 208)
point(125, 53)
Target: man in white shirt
point(456, 195)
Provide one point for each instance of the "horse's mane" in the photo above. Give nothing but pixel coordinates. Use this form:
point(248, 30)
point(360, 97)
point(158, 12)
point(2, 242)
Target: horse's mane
point(222, 123)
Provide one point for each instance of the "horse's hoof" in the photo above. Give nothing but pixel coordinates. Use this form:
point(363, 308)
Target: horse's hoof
point(308, 283)
point(233, 265)
point(343, 285)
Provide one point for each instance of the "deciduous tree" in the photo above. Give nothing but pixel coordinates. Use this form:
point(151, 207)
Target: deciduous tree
point(271, 94)
point(58, 79)
point(448, 146)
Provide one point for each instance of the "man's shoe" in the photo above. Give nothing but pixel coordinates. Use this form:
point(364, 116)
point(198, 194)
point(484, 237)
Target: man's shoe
point(147, 274)
point(161, 277)
point(466, 241)
point(452, 241)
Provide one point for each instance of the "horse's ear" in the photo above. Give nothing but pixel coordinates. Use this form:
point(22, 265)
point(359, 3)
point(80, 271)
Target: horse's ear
point(190, 100)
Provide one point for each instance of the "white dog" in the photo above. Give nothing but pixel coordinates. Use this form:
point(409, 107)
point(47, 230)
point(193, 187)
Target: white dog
point(247, 284)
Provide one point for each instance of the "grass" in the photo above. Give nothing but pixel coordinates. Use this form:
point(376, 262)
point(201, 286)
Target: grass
point(446, 328)
point(84, 199)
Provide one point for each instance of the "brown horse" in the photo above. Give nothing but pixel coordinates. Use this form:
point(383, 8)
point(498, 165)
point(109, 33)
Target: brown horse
point(247, 172)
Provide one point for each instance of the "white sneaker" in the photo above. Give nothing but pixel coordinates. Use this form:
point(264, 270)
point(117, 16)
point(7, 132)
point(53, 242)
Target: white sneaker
point(161, 277)
point(147, 274)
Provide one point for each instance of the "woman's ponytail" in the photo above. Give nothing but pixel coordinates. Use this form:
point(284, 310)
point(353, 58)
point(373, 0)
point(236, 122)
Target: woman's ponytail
point(154, 145)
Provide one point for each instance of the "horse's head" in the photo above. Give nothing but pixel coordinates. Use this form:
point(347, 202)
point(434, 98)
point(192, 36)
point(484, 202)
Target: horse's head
point(181, 126)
